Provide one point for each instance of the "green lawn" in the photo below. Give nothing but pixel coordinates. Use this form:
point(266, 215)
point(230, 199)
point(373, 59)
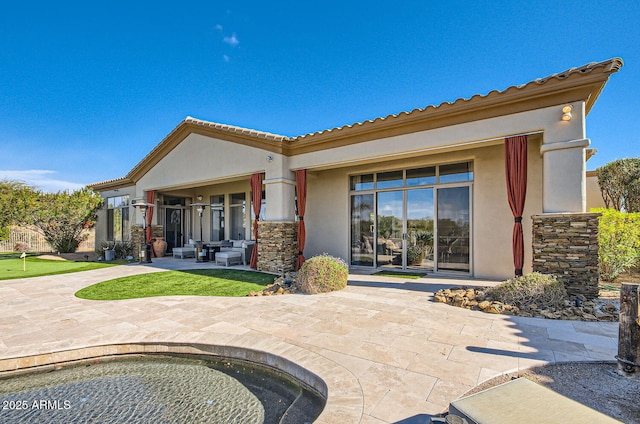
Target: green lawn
point(198, 282)
point(11, 267)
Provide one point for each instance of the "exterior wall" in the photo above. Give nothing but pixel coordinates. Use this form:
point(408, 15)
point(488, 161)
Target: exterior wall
point(200, 160)
point(328, 214)
point(101, 223)
point(594, 196)
point(566, 245)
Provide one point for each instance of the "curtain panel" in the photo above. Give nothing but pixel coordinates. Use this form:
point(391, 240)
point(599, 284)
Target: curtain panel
point(301, 204)
point(151, 194)
point(256, 200)
point(515, 162)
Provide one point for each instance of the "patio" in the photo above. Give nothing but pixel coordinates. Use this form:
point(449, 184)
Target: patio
point(387, 353)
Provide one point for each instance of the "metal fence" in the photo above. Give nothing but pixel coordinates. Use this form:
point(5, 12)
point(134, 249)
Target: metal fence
point(35, 242)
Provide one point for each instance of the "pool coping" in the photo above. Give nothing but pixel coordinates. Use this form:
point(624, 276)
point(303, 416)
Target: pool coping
point(341, 389)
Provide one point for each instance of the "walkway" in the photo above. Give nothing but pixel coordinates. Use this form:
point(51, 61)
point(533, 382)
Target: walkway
point(401, 356)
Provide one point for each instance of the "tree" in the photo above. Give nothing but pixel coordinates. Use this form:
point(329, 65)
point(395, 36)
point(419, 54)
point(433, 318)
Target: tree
point(16, 199)
point(63, 217)
point(619, 183)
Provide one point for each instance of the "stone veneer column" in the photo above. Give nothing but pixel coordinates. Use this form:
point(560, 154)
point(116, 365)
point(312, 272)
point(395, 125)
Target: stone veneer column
point(277, 246)
point(137, 237)
point(566, 245)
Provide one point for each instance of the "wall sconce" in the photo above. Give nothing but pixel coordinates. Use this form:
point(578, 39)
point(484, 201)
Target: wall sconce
point(269, 158)
point(199, 198)
point(566, 112)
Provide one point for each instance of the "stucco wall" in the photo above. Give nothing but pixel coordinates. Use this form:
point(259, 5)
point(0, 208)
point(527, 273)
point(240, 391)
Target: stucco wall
point(200, 160)
point(594, 196)
point(328, 217)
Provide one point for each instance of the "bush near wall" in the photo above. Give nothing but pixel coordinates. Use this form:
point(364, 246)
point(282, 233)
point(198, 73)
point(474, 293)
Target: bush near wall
point(619, 242)
point(322, 274)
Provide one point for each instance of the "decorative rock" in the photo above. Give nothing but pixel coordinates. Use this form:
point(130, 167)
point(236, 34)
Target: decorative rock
point(590, 310)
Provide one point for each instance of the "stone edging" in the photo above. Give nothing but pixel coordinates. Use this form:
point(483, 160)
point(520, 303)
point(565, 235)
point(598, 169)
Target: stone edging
point(345, 400)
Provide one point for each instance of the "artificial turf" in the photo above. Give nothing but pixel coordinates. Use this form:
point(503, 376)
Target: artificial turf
point(198, 282)
point(12, 267)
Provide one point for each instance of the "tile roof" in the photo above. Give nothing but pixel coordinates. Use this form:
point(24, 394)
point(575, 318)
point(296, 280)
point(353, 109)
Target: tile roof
point(610, 66)
point(461, 105)
point(234, 129)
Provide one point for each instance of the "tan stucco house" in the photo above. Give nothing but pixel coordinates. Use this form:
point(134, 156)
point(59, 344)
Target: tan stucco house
point(424, 189)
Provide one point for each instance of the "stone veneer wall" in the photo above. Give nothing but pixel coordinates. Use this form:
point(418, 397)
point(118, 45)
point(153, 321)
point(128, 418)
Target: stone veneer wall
point(566, 245)
point(277, 246)
point(137, 237)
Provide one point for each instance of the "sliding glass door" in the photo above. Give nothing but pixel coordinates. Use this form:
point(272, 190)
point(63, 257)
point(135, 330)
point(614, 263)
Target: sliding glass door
point(405, 229)
point(453, 229)
point(418, 219)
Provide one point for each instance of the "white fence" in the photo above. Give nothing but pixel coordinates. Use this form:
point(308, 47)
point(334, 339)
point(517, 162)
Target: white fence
point(36, 242)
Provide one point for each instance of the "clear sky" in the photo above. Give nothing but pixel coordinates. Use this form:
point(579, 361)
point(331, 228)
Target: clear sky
point(87, 89)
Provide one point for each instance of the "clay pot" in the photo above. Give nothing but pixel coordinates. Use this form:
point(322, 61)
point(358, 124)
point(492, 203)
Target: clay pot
point(160, 247)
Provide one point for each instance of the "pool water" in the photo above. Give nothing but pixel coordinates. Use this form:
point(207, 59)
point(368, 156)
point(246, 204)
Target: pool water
point(158, 389)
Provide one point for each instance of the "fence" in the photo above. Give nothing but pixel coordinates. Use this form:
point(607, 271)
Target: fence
point(36, 242)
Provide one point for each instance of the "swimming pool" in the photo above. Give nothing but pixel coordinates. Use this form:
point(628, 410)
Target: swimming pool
point(159, 388)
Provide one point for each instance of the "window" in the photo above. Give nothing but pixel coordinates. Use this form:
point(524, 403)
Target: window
point(456, 172)
point(362, 182)
point(421, 176)
point(238, 214)
point(389, 179)
point(118, 218)
point(217, 217)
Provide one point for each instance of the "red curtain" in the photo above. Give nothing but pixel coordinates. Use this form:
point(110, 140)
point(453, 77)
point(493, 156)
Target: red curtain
point(256, 198)
point(301, 203)
point(150, 200)
point(515, 162)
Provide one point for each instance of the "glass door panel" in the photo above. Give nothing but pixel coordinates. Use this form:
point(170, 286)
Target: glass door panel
point(453, 229)
point(362, 240)
point(173, 225)
point(390, 224)
point(420, 219)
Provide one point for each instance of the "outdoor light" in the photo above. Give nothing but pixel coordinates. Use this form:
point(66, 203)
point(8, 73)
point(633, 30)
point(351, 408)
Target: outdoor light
point(566, 113)
point(145, 248)
point(199, 198)
point(200, 257)
point(269, 158)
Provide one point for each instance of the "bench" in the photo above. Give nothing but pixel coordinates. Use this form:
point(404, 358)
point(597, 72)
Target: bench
point(184, 252)
point(228, 257)
point(524, 402)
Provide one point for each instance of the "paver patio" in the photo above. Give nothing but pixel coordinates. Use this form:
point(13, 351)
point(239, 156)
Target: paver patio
point(403, 356)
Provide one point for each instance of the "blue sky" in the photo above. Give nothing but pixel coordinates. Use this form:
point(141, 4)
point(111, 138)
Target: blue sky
point(87, 89)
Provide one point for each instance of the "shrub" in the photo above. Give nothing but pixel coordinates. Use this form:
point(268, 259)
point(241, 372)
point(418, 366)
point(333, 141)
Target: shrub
point(122, 249)
point(322, 274)
point(619, 242)
point(619, 183)
point(534, 288)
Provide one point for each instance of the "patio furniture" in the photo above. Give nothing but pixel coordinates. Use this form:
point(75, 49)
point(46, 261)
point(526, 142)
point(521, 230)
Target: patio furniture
point(186, 251)
point(228, 257)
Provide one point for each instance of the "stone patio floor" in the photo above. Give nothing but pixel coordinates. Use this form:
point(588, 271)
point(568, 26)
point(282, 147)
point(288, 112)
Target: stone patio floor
point(401, 357)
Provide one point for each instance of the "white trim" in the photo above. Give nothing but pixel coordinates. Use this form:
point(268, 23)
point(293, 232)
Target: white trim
point(571, 144)
point(279, 180)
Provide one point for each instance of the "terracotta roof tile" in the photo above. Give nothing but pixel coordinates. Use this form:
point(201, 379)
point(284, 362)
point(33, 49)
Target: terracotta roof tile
point(610, 65)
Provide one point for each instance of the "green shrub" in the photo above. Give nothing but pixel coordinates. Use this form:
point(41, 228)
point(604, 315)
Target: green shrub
point(619, 242)
point(122, 249)
point(322, 274)
point(535, 288)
